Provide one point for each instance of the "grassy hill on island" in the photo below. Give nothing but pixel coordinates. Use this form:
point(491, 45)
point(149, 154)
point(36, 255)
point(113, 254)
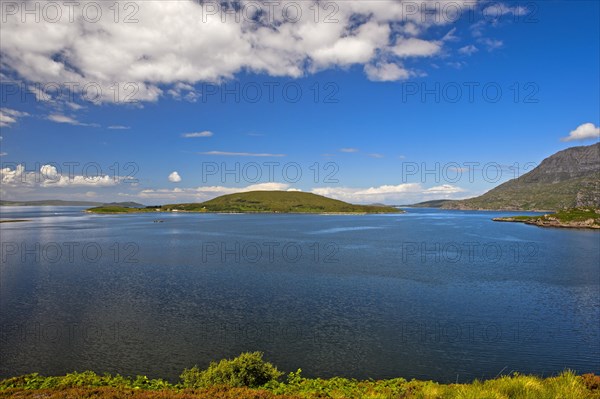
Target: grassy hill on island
point(260, 202)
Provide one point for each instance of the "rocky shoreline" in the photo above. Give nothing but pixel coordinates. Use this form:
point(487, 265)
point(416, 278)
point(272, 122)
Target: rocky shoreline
point(549, 221)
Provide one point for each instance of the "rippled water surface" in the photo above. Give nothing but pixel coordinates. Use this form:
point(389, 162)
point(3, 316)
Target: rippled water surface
point(434, 294)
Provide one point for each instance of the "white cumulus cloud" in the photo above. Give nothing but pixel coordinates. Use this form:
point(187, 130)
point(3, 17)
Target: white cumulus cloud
point(386, 72)
point(413, 47)
point(174, 177)
point(585, 131)
point(172, 45)
point(49, 176)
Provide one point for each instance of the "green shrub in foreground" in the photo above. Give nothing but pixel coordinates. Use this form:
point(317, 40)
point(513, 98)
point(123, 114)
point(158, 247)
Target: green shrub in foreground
point(84, 379)
point(338, 387)
point(246, 370)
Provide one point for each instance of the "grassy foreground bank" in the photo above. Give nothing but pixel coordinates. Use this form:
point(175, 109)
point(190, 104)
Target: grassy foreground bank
point(249, 377)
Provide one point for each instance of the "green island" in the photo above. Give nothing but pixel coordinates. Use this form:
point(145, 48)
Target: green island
point(248, 376)
point(258, 202)
point(579, 218)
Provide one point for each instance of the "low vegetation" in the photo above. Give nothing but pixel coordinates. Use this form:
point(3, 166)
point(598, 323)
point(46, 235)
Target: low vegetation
point(260, 202)
point(587, 218)
point(250, 377)
point(112, 209)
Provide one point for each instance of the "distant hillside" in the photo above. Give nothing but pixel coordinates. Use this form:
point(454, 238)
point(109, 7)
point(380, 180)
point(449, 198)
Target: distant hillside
point(50, 203)
point(261, 201)
point(69, 203)
point(567, 179)
point(126, 204)
point(431, 204)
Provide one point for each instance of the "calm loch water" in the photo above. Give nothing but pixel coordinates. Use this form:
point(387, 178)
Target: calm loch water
point(433, 294)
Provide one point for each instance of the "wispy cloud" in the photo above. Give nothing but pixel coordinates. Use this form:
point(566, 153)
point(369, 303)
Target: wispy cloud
point(497, 10)
point(59, 118)
point(10, 116)
point(444, 189)
point(491, 44)
point(456, 64)
point(496, 14)
point(205, 133)
point(184, 91)
point(74, 106)
point(62, 119)
point(119, 127)
point(349, 150)
point(468, 50)
point(241, 154)
point(375, 155)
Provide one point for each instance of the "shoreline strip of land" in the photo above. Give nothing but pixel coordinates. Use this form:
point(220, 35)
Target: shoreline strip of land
point(577, 218)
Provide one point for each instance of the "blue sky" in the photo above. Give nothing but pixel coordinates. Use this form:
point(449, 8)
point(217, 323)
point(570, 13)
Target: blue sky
point(384, 97)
